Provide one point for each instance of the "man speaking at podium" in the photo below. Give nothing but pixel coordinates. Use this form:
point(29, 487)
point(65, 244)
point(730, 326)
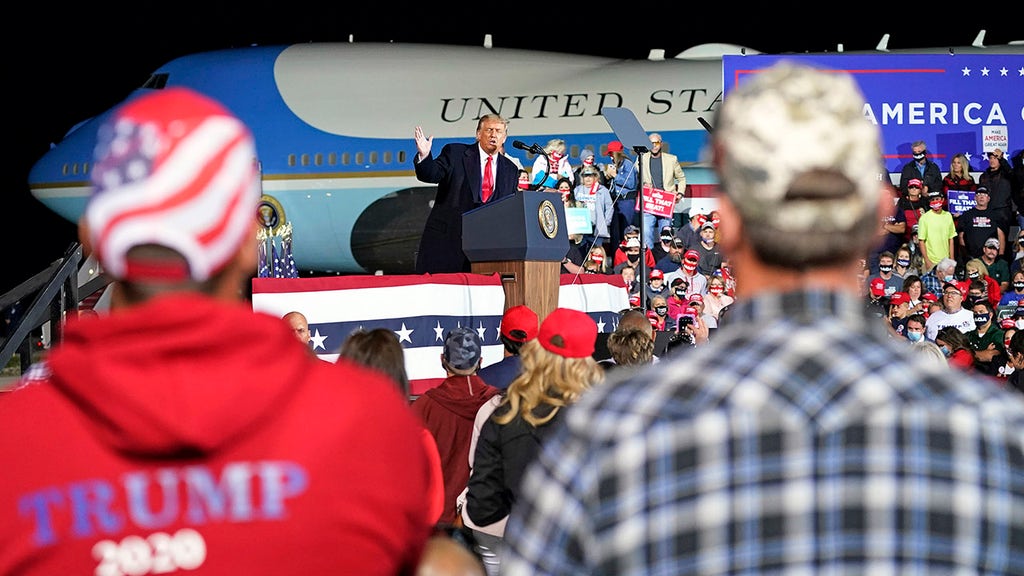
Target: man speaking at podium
point(467, 176)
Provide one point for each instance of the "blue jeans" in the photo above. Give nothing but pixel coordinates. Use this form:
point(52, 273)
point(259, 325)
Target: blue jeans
point(652, 229)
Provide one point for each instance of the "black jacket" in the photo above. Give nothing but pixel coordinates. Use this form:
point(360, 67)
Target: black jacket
point(932, 176)
point(456, 171)
point(503, 451)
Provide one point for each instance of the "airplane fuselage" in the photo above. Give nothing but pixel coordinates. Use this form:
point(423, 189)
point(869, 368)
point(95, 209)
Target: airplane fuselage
point(333, 125)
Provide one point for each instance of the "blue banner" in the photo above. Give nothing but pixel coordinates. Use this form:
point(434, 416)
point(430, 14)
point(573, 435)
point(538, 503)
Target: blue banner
point(969, 103)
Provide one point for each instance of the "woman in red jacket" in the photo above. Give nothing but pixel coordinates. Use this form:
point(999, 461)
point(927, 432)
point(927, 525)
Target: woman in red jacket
point(955, 346)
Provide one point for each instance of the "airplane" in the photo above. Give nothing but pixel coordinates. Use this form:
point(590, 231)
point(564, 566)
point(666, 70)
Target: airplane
point(333, 124)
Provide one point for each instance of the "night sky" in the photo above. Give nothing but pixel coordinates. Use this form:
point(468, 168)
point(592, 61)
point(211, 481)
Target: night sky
point(81, 60)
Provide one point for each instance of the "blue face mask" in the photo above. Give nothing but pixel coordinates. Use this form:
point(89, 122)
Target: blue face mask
point(902, 262)
point(945, 350)
point(948, 278)
point(981, 319)
point(915, 336)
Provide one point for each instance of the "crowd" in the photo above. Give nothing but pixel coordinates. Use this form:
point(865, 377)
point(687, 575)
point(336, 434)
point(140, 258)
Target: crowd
point(850, 410)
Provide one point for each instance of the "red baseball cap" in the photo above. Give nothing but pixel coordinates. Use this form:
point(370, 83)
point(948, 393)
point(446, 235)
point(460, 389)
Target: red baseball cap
point(929, 297)
point(569, 333)
point(519, 323)
point(615, 146)
point(652, 317)
point(878, 287)
point(656, 273)
point(899, 298)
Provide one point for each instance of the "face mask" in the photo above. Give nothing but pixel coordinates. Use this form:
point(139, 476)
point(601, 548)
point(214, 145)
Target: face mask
point(632, 257)
point(1018, 286)
point(716, 290)
point(690, 267)
point(903, 263)
point(915, 336)
point(661, 310)
point(921, 156)
point(981, 319)
point(935, 205)
point(948, 278)
point(681, 293)
point(945, 350)
point(974, 275)
point(885, 269)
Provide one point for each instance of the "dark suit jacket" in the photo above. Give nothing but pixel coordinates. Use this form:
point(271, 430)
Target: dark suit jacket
point(456, 171)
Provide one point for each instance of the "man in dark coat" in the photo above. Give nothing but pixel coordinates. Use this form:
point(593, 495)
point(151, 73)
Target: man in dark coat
point(459, 172)
point(922, 168)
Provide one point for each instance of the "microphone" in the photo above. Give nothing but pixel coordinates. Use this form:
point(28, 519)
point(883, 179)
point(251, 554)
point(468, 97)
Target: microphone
point(535, 148)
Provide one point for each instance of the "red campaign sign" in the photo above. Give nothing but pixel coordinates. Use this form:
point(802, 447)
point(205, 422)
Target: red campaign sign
point(659, 202)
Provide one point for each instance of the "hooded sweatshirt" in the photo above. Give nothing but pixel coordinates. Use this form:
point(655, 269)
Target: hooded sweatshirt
point(448, 411)
point(192, 434)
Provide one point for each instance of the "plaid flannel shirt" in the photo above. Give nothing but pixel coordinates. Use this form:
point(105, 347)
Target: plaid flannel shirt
point(802, 440)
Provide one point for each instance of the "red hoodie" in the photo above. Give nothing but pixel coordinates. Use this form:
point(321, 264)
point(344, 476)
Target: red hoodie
point(448, 411)
point(190, 434)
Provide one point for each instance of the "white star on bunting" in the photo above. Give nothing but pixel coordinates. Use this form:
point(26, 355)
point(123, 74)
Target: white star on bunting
point(318, 340)
point(404, 334)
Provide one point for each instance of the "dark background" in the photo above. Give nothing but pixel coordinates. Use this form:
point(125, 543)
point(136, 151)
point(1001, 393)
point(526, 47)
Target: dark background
point(77, 61)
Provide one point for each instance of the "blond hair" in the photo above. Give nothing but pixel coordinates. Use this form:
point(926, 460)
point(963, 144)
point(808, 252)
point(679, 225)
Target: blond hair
point(547, 378)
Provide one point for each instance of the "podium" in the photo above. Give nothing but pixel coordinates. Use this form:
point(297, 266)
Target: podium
point(522, 238)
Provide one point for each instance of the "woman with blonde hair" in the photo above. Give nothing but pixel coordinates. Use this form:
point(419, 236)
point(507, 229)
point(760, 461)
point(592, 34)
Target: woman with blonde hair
point(557, 368)
point(959, 177)
point(976, 269)
point(547, 176)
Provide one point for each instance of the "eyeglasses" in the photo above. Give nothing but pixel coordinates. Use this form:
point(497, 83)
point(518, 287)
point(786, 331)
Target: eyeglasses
point(655, 141)
point(952, 294)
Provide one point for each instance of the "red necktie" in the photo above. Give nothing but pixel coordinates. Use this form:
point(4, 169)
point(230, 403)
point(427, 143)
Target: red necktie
point(488, 187)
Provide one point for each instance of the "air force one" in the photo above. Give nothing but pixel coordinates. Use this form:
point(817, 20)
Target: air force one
point(333, 124)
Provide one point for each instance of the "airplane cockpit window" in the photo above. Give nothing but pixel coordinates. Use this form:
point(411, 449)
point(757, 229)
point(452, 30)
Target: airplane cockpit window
point(156, 81)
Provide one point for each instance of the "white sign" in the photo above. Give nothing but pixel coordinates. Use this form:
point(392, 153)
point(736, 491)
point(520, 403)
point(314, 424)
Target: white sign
point(995, 137)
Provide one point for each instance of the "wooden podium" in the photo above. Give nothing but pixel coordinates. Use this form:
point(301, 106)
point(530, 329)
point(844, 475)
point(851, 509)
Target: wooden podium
point(522, 238)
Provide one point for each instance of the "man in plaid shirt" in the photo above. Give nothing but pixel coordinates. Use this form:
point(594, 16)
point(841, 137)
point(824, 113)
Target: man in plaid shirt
point(802, 439)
